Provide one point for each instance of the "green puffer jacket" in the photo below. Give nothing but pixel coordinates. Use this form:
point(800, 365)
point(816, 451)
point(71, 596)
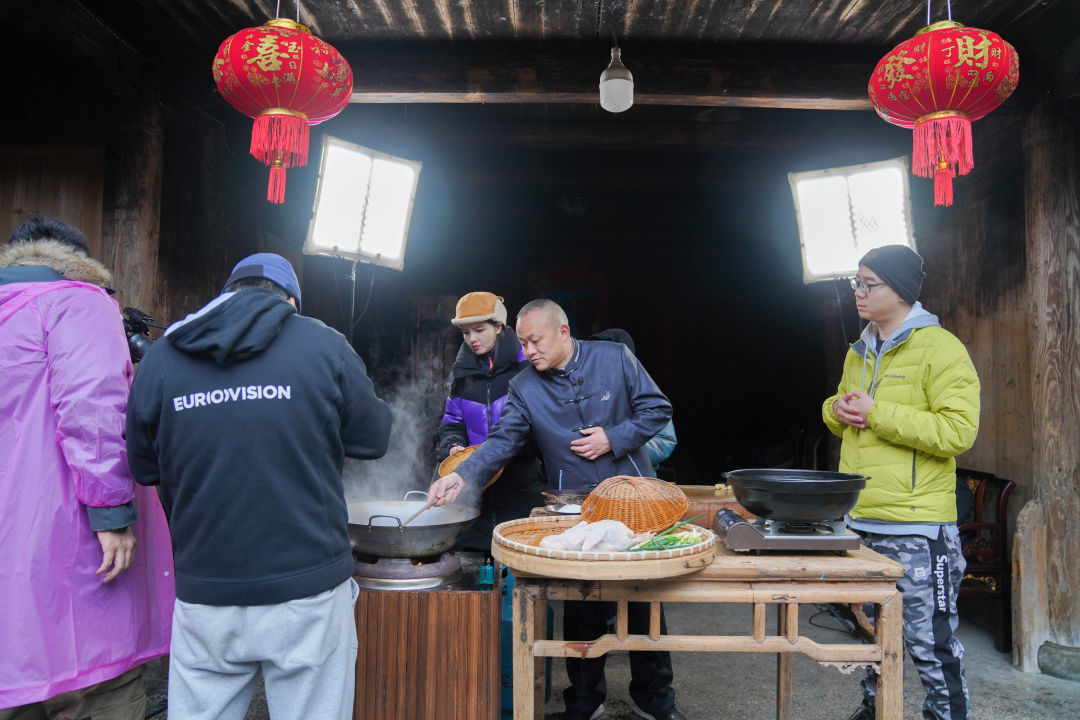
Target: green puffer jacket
point(925, 412)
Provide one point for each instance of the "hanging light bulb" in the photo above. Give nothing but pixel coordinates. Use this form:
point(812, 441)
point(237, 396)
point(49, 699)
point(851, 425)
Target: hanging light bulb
point(616, 85)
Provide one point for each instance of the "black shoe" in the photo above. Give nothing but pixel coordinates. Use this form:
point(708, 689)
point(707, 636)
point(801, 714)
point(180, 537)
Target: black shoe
point(576, 716)
point(669, 714)
point(865, 711)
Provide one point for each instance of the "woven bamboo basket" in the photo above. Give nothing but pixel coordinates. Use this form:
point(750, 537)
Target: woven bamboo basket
point(451, 463)
point(515, 543)
point(642, 504)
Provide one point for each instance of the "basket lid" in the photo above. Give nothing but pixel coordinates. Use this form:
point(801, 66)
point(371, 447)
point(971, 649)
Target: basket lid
point(450, 464)
point(642, 504)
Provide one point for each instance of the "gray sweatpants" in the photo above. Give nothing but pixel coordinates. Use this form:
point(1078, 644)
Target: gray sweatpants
point(306, 649)
point(933, 571)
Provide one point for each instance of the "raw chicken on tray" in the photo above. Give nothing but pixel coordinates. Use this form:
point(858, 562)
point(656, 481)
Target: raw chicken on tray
point(599, 536)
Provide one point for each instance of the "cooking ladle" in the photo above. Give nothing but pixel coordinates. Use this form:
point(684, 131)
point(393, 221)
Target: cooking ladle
point(560, 498)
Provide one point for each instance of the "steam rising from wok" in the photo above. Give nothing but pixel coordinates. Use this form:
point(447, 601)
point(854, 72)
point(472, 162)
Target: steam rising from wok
point(416, 404)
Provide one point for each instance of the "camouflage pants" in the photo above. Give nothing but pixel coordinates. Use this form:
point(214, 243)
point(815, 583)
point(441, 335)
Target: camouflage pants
point(934, 571)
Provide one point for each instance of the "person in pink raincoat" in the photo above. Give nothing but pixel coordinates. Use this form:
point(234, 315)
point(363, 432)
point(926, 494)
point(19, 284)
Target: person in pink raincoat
point(86, 577)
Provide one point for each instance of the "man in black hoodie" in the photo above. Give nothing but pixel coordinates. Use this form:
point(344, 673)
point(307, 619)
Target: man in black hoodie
point(244, 413)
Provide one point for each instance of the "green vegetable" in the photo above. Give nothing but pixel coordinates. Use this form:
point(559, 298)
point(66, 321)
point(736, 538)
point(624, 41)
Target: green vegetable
point(665, 540)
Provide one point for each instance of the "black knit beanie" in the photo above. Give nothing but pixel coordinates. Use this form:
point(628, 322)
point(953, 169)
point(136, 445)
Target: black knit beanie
point(899, 267)
point(615, 335)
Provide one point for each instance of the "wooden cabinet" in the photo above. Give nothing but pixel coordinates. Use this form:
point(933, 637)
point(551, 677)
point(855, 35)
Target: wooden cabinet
point(427, 654)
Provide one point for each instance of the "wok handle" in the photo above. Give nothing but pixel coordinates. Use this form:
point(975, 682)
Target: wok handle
point(391, 517)
point(416, 491)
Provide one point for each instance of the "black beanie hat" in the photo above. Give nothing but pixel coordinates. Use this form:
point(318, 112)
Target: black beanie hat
point(615, 335)
point(899, 267)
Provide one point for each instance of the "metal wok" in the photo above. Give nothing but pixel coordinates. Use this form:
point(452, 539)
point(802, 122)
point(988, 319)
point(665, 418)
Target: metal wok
point(375, 527)
point(796, 495)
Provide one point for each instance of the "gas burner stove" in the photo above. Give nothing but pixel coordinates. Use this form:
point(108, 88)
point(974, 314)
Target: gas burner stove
point(740, 534)
point(793, 528)
point(406, 573)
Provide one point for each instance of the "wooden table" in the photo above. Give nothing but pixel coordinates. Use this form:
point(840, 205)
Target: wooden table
point(863, 576)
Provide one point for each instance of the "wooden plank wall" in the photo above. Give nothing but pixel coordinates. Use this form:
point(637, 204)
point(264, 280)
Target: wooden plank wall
point(163, 211)
point(1052, 224)
point(976, 283)
point(62, 182)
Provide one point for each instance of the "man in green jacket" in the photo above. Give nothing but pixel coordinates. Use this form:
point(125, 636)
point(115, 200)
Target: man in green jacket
point(907, 405)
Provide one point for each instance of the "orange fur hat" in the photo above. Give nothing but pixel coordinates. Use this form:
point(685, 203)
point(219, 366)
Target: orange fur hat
point(477, 307)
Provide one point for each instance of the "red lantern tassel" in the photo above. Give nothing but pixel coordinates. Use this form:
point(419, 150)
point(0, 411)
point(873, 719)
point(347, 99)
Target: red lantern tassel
point(281, 136)
point(943, 135)
point(943, 177)
point(275, 192)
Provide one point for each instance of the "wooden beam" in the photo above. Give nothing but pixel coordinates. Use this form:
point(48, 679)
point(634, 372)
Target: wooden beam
point(132, 222)
point(789, 630)
point(1052, 218)
point(588, 97)
point(822, 652)
point(1029, 590)
point(773, 138)
point(68, 50)
point(791, 77)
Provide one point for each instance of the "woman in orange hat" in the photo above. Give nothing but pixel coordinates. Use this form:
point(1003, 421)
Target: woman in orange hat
point(479, 380)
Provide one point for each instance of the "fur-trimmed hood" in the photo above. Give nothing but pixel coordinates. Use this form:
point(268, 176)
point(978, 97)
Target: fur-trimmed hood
point(70, 264)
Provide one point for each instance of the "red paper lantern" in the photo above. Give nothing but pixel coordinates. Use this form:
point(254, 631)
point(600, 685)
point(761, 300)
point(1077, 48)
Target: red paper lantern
point(286, 79)
point(938, 82)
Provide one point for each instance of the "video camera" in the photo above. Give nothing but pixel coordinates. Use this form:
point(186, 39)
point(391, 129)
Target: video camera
point(137, 326)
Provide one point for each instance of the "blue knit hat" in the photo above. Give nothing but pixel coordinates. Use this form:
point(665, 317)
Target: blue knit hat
point(271, 266)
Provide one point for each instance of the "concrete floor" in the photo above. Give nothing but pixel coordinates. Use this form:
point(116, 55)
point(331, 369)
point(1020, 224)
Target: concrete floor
point(729, 686)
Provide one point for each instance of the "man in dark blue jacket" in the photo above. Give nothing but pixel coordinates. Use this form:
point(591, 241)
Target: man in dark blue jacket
point(244, 413)
point(591, 408)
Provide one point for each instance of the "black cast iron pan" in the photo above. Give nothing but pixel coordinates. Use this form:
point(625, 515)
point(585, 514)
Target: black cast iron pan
point(803, 496)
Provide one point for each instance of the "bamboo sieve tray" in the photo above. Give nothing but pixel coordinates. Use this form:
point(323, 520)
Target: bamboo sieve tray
point(514, 544)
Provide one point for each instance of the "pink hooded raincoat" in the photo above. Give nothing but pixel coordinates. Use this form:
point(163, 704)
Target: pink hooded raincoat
point(64, 376)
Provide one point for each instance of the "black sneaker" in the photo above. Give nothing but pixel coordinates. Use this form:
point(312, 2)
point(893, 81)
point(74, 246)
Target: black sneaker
point(865, 711)
point(670, 714)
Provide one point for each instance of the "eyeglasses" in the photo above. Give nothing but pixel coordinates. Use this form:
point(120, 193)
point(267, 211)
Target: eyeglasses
point(864, 287)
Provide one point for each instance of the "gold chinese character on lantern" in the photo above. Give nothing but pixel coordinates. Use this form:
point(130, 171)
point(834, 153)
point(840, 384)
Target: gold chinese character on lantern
point(895, 70)
point(268, 58)
point(971, 53)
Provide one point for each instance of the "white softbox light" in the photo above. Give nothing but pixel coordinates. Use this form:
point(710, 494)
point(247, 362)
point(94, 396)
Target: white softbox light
point(844, 212)
point(363, 204)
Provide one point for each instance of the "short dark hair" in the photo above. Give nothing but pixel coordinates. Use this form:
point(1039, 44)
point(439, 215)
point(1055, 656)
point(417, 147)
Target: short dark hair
point(551, 308)
point(615, 335)
point(48, 228)
point(257, 282)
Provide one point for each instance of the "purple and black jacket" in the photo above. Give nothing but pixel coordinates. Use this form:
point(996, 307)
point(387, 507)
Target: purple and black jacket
point(478, 387)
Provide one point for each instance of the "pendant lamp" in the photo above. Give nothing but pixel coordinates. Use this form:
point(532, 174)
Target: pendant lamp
point(616, 85)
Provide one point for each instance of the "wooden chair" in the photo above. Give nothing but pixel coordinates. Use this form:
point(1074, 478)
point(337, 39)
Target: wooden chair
point(984, 542)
